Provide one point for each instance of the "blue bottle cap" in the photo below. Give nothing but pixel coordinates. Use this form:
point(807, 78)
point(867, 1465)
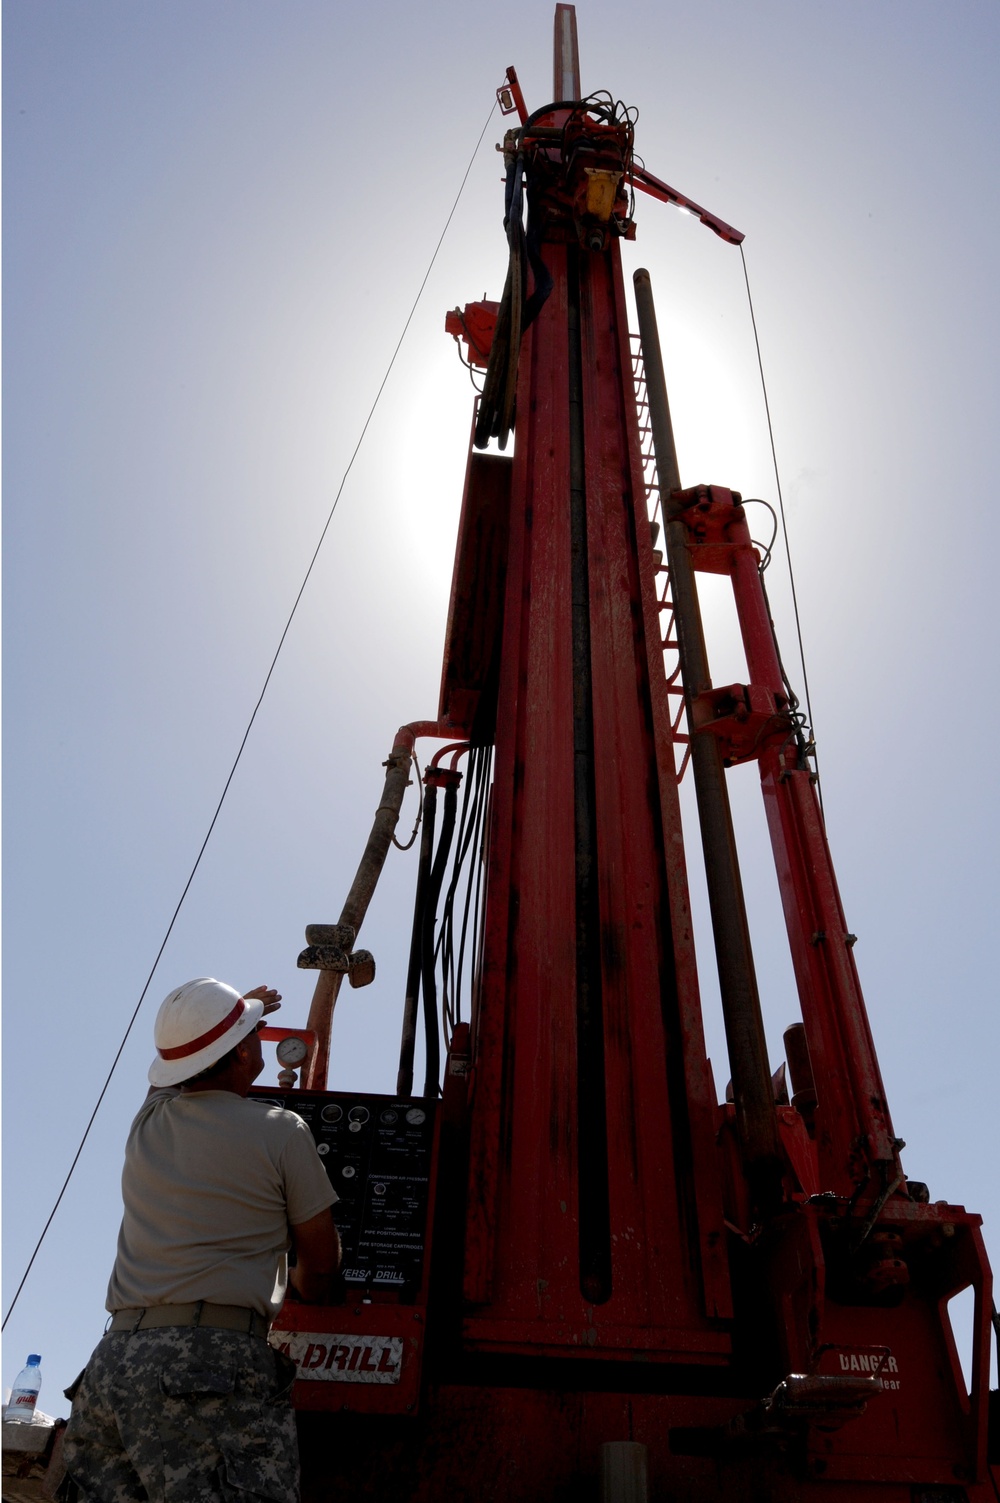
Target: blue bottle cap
point(33, 1359)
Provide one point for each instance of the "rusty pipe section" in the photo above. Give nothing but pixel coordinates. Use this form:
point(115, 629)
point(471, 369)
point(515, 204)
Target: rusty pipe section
point(397, 777)
point(751, 1074)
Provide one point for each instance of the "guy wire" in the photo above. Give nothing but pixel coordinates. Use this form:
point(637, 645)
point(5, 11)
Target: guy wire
point(784, 532)
point(250, 722)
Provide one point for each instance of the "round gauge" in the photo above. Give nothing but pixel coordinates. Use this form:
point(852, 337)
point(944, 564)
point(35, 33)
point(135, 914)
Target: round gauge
point(348, 1171)
point(415, 1116)
point(388, 1118)
point(359, 1114)
point(378, 1189)
point(322, 1149)
point(332, 1113)
point(292, 1051)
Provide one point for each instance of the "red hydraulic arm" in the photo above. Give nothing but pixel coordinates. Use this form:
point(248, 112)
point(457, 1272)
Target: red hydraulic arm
point(857, 1258)
point(658, 189)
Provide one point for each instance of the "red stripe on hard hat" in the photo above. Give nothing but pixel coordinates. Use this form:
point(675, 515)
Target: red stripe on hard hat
point(204, 1039)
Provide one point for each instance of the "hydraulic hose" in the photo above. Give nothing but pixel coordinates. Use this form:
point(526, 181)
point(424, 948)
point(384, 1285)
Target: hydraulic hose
point(397, 777)
point(432, 1034)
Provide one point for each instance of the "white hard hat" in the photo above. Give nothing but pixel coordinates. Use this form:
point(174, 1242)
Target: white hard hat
point(197, 1024)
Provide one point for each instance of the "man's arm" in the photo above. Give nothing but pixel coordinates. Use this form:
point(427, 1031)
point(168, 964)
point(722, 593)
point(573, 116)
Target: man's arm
point(317, 1257)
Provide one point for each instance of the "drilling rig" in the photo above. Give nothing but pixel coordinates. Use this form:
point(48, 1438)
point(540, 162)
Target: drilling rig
point(569, 1270)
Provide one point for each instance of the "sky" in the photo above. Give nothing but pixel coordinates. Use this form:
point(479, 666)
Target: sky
point(218, 216)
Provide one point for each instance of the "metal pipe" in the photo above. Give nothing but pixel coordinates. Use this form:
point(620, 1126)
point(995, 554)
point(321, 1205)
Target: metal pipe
point(744, 1025)
point(799, 1063)
point(624, 1472)
point(566, 55)
point(397, 778)
point(800, 1068)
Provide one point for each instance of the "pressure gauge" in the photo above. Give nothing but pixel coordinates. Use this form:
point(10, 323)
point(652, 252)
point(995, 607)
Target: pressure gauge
point(292, 1051)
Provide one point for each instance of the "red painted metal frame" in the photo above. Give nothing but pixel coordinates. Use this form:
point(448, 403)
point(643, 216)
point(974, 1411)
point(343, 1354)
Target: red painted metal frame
point(513, 1444)
point(854, 1131)
point(271, 1034)
point(925, 1427)
point(656, 188)
point(669, 1279)
point(512, 87)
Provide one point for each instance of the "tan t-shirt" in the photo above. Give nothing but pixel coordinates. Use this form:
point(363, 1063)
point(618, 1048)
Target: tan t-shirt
point(212, 1182)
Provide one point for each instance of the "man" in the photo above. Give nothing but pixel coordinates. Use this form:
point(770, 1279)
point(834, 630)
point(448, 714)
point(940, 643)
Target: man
point(183, 1399)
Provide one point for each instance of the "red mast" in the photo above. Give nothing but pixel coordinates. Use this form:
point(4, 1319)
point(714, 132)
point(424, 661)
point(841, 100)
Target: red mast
point(595, 1219)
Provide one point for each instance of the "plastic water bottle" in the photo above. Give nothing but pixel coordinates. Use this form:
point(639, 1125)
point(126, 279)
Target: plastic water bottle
point(21, 1404)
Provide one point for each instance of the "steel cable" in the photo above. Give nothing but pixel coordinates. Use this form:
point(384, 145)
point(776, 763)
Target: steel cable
point(784, 533)
point(250, 722)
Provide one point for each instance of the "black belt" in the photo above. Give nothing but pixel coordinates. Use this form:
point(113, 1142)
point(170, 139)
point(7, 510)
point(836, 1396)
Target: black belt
point(215, 1317)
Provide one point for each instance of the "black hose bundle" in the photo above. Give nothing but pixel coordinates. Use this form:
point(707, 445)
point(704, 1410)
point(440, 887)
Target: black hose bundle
point(432, 1038)
point(443, 947)
point(496, 408)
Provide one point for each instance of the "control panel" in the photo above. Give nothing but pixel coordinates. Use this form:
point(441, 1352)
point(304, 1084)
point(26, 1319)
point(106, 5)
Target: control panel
point(364, 1352)
point(377, 1151)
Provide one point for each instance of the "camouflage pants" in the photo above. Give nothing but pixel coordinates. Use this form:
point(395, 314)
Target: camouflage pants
point(179, 1415)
